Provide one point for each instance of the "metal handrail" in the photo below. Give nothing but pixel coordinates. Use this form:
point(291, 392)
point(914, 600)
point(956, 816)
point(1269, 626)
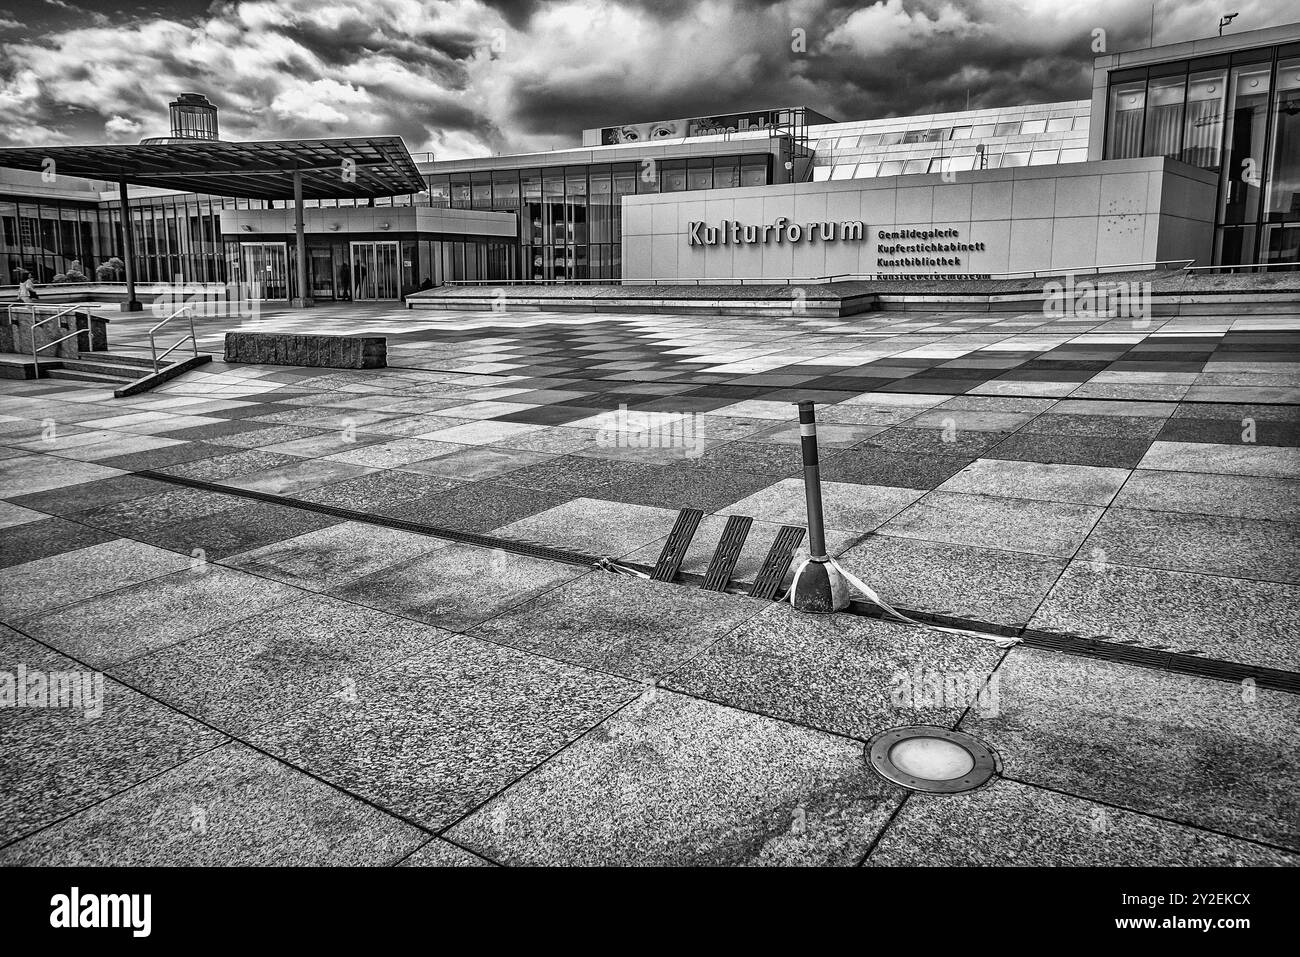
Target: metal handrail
point(153, 346)
point(36, 361)
point(1233, 268)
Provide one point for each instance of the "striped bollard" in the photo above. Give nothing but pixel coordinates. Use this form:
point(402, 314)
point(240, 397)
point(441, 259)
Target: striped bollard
point(818, 586)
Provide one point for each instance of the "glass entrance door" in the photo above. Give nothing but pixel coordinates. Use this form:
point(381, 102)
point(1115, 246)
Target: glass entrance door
point(375, 273)
point(266, 268)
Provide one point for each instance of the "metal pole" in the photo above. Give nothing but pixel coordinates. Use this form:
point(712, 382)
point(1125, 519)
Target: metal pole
point(812, 482)
point(302, 299)
point(128, 249)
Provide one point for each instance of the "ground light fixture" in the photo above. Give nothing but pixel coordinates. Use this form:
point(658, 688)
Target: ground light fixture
point(930, 759)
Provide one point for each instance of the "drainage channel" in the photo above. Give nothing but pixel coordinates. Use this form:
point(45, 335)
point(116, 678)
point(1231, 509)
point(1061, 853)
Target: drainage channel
point(1154, 659)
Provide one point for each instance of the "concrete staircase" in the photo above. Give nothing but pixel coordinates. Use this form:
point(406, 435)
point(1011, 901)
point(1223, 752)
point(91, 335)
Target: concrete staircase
point(106, 368)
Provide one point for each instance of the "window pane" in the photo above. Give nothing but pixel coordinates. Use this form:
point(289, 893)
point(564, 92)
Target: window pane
point(726, 172)
point(866, 170)
point(1043, 157)
point(1124, 133)
point(1164, 117)
point(1074, 155)
point(891, 139)
point(1015, 159)
point(1283, 199)
point(1061, 124)
point(1203, 126)
point(1032, 126)
point(843, 171)
point(1247, 112)
point(891, 168)
point(1006, 129)
point(916, 166)
point(699, 174)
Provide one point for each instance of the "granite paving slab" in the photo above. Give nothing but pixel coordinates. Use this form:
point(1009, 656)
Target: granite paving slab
point(112, 628)
point(1079, 484)
point(593, 526)
point(11, 515)
point(1008, 824)
point(1130, 427)
point(476, 506)
point(845, 506)
point(28, 474)
point(458, 586)
point(219, 468)
point(375, 491)
point(323, 443)
point(841, 673)
point(440, 853)
point(1233, 547)
point(1270, 461)
point(1053, 529)
point(672, 781)
point(72, 575)
point(230, 807)
point(178, 455)
point(297, 477)
point(932, 441)
point(461, 721)
point(1221, 432)
point(272, 664)
point(1226, 618)
point(475, 463)
point(975, 583)
point(1195, 750)
point(328, 557)
point(243, 527)
point(676, 488)
point(619, 623)
point(74, 498)
point(30, 541)
point(1243, 496)
point(57, 760)
point(392, 454)
point(137, 516)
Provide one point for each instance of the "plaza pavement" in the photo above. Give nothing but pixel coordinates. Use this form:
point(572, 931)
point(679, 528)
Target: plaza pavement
point(287, 688)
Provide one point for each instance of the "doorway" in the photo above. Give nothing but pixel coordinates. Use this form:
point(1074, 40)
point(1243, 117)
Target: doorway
point(375, 272)
point(266, 268)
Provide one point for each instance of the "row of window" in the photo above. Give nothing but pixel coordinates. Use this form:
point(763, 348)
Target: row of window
point(949, 164)
point(1062, 124)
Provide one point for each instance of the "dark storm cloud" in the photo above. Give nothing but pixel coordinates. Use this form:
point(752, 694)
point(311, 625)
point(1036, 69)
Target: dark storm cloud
point(473, 76)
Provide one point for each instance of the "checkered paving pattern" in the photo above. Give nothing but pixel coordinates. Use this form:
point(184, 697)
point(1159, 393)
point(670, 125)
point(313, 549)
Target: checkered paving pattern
point(1132, 483)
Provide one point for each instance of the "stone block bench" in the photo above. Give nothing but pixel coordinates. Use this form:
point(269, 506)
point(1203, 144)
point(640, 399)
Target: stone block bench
point(286, 349)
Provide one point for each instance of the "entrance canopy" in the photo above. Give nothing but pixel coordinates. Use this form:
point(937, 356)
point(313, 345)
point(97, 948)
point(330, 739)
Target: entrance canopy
point(348, 167)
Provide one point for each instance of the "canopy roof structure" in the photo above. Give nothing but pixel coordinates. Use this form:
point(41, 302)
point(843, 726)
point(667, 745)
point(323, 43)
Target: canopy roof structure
point(342, 168)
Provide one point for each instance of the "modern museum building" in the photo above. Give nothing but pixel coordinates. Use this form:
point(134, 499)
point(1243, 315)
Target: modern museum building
point(1184, 152)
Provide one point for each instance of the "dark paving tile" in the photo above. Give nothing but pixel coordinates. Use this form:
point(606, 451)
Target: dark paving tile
point(762, 458)
point(931, 441)
point(678, 488)
point(577, 475)
point(74, 498)
point(458, 585)
point(1234, 547)
point(1115, 453)
point(869, 466)
point(477, 507)
point(69, 576)
point(980, 584)
point(49, 536)
point(1226, 412)
point(463, 720)
point(230, 807)
point(263, 435)
point(242, 527)
point(1126, 427)
point(477, 463)
point(136, 517)
point(1011, 824)
point(164, 458)
point(1195, 750)
point(1231, 431)
point(678, 782)
point(1228, 618)
point(840, 673)
point(272, 664)
point(216, 431)
point(113, 628)
point(617, 623)
point(56, 760)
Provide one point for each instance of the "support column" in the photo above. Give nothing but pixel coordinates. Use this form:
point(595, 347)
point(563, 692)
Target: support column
point(302, 300)
point(128, 251)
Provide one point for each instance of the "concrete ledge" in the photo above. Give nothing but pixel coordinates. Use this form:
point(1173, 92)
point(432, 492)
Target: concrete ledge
point(145, 383)
point(285, 349)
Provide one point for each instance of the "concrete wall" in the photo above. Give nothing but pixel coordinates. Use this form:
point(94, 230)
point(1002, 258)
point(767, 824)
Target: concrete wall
point(1029, 218)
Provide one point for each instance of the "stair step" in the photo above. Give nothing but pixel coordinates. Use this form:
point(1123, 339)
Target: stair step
point(118, 359)
point(106, 368)
point(112, 380)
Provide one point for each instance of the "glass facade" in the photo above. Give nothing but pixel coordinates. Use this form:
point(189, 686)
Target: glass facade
point(570, 217)
point(1237, 114)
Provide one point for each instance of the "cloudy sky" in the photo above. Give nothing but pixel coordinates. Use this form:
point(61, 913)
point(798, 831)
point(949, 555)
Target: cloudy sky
point(469, 77)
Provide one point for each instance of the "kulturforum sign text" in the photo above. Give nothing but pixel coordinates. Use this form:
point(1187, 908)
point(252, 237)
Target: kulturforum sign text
point(731, 232)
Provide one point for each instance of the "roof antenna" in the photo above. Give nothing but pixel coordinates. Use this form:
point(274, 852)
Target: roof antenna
point(1226, 19)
